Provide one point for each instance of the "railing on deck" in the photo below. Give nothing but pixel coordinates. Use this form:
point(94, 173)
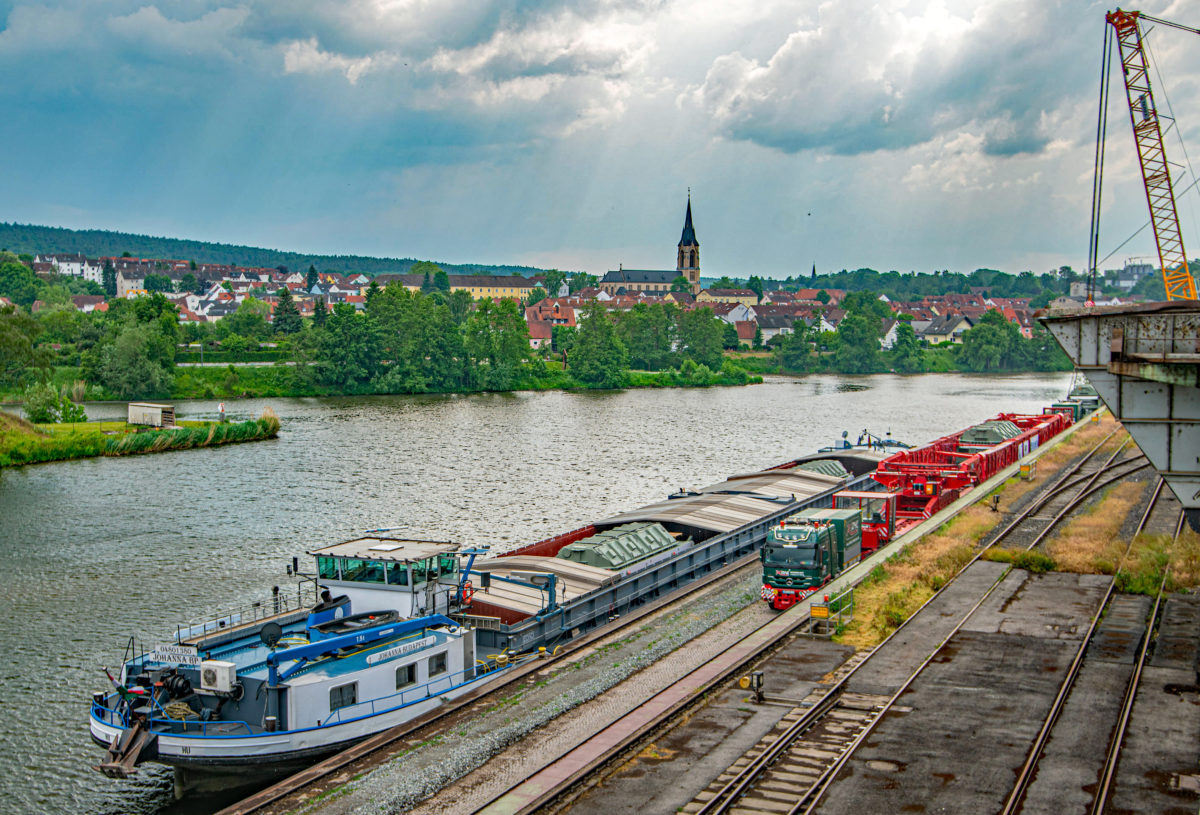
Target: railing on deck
point(476, 621)
point(248, 614)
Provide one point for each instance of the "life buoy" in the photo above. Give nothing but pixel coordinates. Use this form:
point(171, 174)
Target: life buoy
point(468, 591)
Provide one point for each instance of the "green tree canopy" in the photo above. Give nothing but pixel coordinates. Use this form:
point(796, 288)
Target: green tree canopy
point(907, 356)
point(287, 316)
point(250, 320)
point(992, 344)
point(20, 358)
point(496, 338)
point(598, 358)
point(582, 280)
point(755, 285)
point(553, 281)
point(157, 282)
point(701, 336)
point(17, 282)
point(348, 350)
point(137, 363)
point(858, 344)
point(648, 333)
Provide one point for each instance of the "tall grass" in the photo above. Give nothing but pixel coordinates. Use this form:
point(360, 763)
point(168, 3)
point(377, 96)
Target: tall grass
point(23, 443)
point(183, 438)
point(893, 591)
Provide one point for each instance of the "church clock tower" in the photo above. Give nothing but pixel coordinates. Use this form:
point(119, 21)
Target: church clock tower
point(688, 263)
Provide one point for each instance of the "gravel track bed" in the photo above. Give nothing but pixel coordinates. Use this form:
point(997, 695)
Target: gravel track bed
point(579, 690)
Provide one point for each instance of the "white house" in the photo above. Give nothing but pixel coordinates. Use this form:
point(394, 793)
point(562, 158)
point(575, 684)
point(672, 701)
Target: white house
point(75, 266)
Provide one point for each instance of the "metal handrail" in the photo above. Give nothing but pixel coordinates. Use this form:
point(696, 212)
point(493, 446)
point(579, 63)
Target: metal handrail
point(250, 613)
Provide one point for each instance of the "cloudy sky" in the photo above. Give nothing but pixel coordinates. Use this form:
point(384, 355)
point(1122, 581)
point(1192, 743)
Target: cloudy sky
point(909, 135)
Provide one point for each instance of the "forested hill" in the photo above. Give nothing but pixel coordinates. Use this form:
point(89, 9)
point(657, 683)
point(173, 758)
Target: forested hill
point(101, 242)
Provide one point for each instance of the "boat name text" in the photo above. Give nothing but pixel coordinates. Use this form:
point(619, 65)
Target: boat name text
point(401, 650)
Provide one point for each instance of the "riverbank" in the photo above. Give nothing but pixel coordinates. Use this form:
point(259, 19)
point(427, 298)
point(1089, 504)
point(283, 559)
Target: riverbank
point(286, 380)
point(23, 442)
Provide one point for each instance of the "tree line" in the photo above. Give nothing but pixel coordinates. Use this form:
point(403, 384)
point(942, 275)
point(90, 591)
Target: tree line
point(992, 344)
point(403, 341)
point(95, 243)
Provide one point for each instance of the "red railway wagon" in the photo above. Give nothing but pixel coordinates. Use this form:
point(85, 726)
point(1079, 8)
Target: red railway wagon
point(930, 477)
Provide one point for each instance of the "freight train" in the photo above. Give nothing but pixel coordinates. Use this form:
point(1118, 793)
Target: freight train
point(806, 550)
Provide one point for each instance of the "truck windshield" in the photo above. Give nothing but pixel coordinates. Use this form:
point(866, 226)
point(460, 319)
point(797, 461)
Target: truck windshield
point(801, 556)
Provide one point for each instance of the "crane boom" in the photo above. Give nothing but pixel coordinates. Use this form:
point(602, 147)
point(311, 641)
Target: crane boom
point(1156, 175)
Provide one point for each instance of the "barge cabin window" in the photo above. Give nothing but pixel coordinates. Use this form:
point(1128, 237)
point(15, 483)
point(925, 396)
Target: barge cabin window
point(406, 675)
point(343, 696)
point(387, 561)
point(437, 664)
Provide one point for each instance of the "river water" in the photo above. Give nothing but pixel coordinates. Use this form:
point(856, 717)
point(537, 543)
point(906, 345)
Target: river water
point(93, 551)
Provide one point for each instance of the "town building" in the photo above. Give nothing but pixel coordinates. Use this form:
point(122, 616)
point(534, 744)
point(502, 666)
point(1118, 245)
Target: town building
point(687, 265)
point(744, 296)
point(74, 265)
point(479, 286)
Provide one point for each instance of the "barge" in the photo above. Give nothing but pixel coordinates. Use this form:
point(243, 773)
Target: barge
point(387, 628)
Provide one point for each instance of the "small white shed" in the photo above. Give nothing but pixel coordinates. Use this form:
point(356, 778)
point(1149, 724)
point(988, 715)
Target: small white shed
point(151, 414)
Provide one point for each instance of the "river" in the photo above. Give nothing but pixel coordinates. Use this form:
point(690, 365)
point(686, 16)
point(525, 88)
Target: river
point(95, 550)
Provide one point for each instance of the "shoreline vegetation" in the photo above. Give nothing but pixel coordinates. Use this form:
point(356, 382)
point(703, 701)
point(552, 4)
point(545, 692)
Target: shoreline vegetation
point(23, 442)
point(393, 339)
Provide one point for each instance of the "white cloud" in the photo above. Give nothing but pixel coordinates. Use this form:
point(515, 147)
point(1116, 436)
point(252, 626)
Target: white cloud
point(306, 57)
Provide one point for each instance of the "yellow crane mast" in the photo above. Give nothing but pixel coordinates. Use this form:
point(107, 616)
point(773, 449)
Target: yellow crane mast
point(1147, 133)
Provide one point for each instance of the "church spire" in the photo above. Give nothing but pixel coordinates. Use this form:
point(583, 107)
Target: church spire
point(689, 232)
point(688, 257)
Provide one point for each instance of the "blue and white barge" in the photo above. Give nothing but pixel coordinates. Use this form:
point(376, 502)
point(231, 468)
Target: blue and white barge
point(281, 683)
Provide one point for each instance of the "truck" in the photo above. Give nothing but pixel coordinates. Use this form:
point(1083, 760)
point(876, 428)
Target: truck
point(805, 551)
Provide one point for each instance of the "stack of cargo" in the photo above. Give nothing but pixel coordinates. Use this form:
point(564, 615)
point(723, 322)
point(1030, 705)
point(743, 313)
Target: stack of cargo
point(988, 434)
point(622, 546)
point(825, 466)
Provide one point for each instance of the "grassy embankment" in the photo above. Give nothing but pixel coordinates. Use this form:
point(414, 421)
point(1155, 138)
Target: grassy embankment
point(22, 442)
point(280, 381)
point(896, 589)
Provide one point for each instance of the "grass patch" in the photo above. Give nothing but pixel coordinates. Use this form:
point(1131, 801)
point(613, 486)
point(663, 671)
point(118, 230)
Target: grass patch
point(1036, 562)
point(1143, 570)
point(894, 590)
point(25, 443)
point(1091, 543)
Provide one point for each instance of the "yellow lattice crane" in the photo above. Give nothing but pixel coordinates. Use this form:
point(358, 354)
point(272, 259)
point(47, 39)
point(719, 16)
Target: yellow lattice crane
point(1156, 174)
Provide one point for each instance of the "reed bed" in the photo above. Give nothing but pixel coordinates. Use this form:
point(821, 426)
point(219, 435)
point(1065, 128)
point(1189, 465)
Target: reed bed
point(23, 443)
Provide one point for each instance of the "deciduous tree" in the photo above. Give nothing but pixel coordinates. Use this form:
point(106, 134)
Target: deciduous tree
point(598, 358)
point(700, 337)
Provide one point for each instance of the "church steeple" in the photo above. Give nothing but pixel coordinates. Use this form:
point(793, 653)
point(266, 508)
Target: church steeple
point(689, 232)
point(688, 258)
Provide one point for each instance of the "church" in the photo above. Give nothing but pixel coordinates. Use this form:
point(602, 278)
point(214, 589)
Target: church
point(687, 264)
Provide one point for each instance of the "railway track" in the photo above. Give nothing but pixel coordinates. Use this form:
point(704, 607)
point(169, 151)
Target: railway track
point(796, 766)
point(793, 764)
point(1016, 800)
point(1071, 488)
point(379, 748)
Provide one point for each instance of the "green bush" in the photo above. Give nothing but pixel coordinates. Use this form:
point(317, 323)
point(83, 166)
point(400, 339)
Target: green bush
point(41, 403)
